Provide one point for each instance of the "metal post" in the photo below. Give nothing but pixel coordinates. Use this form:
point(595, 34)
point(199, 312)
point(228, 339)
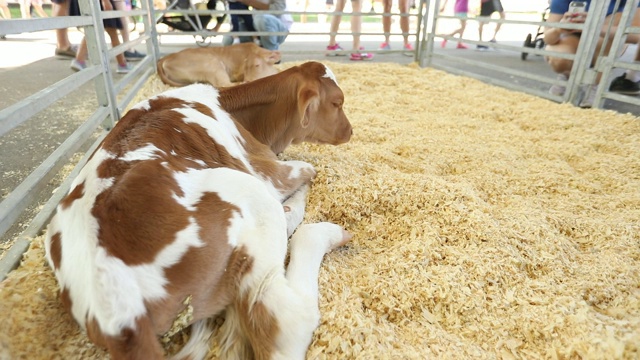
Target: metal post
point(99, 56)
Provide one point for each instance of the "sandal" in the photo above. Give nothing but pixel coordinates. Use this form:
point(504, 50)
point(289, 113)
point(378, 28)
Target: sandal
point(361, 55)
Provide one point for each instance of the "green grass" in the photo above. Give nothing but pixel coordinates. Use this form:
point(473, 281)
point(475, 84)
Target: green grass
point(14, 8)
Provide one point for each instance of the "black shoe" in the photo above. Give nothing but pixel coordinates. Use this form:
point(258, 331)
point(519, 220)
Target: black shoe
point(133, 55)
point(482, 47)
point(623, 85)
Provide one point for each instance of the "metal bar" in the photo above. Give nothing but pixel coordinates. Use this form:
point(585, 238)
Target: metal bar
point(18, 26)
point(619, 40)
point(12, 257)
point(19, 199)
point(21, 112)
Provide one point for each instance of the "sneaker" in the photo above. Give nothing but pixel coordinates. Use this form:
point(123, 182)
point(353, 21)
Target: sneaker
point(361, 55)
point(461, 46)
point(332, 50)
point(408, 50)
point(557, 89)
point(77, 65)
point(134, 55)
point(622, 85)
point(443, 44)
point(588, 96)
point(69, 52)
point(124, 69)
point(385, 46)
point(482, 47)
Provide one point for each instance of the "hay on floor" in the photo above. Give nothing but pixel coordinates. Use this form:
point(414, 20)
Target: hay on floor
point(487, 224)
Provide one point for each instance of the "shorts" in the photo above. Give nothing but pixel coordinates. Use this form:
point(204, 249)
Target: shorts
point(329, 2)
point(74, 10)
point(489, 7)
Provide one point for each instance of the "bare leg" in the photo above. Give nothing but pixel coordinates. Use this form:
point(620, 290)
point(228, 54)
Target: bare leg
point(40, 11)
point(356, 23)
point(335, 21)
point(404, 19)
point(62, 35)
point(25, 9)
point(386, 20)
point(115, 41)
point(498, 25)
point(4, 10)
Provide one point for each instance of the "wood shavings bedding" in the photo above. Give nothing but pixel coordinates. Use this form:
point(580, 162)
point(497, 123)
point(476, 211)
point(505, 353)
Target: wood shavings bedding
point(487, 224)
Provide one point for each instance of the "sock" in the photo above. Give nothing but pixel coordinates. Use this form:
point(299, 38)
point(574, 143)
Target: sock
point(633, 75)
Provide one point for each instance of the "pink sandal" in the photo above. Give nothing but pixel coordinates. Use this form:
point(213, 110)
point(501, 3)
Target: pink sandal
point(361, 55)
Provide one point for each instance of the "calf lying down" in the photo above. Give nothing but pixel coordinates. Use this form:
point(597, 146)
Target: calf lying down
point(218, 66)
point(186, 206)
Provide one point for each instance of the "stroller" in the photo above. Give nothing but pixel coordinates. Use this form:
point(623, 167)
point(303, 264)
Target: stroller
point(538, 41)
point(190, 23)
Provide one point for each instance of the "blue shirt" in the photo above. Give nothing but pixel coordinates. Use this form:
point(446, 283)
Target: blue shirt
point(562, 6)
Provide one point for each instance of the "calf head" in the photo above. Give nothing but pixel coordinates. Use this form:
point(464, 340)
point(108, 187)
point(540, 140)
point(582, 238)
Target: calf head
point(260, 64)
point(320, 102)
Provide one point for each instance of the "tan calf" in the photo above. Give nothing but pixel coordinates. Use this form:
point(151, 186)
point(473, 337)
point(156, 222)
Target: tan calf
point(218, 66)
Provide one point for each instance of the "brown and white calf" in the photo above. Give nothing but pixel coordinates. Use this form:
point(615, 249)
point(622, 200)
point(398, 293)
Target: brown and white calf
point(182, 209)
point(218, 66)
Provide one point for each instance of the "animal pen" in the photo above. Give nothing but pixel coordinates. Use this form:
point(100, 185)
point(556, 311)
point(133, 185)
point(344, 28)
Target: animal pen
point(490, 218)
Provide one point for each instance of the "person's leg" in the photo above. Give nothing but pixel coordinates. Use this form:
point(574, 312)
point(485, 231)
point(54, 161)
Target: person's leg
point(4, 10)
point(62, 35)
point(356, 23)
point(335, 22)
point(228, 39)
point(568, 45)
point(37, 6)
point(498, 25)
point(25, 9)
point(386, 23)
point(629, 82)
point(115, 41)
point(80, 60)
point(270, 23)
point(124, 32)
point(463, 26)
point(403, 6)
point(356, 26)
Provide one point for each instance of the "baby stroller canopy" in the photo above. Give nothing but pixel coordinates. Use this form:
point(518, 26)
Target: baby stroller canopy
point(182, 23)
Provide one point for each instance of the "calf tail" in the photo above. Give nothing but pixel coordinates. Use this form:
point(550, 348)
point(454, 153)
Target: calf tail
point(163, 75)
point(198, 345)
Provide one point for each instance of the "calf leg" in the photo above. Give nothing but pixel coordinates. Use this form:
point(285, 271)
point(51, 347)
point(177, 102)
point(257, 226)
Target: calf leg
point(275, 318)
point(294, 208)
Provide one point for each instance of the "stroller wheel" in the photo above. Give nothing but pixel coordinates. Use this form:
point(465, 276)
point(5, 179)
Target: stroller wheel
point(527, 43)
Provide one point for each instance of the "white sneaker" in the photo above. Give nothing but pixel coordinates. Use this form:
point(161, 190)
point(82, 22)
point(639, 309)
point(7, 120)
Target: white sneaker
point(77, 65)
point(557, 89)
point(588, 96)
point(124, 69)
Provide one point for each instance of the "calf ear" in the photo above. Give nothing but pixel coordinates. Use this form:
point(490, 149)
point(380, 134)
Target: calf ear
point(308, 103)
point(273, 57)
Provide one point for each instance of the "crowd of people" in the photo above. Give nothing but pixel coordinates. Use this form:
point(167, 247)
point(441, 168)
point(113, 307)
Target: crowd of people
point(565, 40)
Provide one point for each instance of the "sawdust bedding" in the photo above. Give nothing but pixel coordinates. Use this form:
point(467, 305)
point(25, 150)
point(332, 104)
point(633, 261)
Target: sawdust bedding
point(487, 224)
